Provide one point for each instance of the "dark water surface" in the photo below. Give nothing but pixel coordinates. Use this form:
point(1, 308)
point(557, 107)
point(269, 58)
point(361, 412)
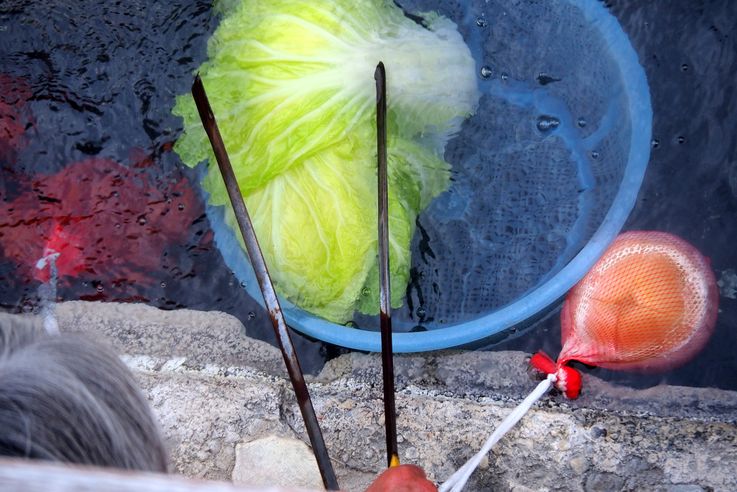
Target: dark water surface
point(96, 80)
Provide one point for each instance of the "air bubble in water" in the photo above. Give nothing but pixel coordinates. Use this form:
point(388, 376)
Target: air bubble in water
point(547, 123)
point(481, 22)
point(251, 315)
point(486, 72)
point(421, 312)
point(100, 288)
point(504, 76)
point(142, 220)
point(654, 143)
point(594, 154)
point(681, 139)
point(163, 285)
point(180, 206)
point(581, 122)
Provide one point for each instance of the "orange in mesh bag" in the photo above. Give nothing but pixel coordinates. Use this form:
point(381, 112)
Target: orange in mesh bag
point(649, 304)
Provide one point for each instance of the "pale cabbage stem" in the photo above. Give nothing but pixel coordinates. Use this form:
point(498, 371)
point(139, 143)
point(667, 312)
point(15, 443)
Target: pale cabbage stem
point(277, 55)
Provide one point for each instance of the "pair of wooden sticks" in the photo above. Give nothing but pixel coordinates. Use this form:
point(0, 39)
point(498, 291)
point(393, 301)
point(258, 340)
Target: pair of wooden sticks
point(272, 302)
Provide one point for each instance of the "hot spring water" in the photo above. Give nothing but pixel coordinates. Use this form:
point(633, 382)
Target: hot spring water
point(95, 81)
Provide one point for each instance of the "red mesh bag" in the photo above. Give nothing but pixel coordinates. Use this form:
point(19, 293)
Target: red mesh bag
point(649, 304)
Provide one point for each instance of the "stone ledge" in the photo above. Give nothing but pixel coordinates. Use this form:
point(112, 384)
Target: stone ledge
point(212, 388)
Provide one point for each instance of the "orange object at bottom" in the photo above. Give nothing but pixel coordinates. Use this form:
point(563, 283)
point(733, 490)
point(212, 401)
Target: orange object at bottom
point(402, 478)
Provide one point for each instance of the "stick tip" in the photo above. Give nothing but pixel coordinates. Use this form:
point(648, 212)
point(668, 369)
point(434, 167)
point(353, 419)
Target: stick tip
point(380, 70)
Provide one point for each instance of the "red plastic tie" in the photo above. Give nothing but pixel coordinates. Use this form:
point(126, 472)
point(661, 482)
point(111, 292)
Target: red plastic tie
point(567, 379)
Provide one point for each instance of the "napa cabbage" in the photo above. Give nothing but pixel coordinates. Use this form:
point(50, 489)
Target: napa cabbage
point(291, 83)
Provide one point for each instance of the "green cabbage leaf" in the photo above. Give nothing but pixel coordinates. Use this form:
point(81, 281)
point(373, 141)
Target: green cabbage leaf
point(291, 83)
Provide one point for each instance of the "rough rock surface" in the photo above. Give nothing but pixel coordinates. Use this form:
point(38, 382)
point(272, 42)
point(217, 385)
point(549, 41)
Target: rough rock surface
point(212, 388)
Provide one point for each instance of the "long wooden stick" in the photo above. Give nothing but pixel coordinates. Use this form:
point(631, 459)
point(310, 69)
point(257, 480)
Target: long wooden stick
point(385, 304)
point(267, 288)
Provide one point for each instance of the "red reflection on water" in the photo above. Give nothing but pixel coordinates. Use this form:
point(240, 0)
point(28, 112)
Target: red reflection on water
point(108, 222)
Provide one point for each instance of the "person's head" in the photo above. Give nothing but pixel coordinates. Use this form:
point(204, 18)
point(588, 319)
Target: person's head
point(68, 399)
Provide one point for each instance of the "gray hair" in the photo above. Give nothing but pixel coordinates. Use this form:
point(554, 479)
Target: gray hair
point(69, 399)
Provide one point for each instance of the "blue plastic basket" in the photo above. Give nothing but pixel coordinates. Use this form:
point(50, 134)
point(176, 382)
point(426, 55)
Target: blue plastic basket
point(545, 175)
